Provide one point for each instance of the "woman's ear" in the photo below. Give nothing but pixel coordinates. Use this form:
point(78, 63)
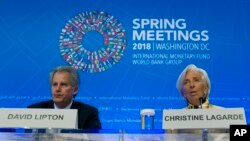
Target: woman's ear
point(182, 93)
point(205, 93)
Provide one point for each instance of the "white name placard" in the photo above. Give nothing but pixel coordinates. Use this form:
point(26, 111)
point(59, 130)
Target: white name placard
point(202, 118)
point(38, 118)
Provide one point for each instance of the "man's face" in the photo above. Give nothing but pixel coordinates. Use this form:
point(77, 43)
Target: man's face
point(62, 91)
point(193, 87)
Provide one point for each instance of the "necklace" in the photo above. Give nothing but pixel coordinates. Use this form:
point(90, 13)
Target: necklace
point(203, 106)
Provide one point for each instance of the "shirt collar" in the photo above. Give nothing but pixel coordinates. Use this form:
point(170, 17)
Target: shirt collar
point(67, 107)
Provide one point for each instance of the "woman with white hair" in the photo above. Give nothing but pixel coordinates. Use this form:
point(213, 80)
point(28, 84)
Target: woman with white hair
point(194, 85)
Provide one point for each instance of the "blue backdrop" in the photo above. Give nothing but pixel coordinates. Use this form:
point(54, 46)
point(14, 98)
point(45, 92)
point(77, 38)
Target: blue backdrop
point(161, 38)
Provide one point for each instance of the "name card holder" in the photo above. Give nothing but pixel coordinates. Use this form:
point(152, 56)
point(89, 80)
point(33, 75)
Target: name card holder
point(38, 118)
point(202, 118)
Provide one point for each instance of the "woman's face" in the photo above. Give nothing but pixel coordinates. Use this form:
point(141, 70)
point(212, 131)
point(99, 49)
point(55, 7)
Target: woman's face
point(193, 87)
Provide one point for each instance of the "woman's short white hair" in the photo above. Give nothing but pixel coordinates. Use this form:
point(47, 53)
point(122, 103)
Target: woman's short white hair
point(204, 77)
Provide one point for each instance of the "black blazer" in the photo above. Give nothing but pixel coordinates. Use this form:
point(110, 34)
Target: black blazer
point(88, 116)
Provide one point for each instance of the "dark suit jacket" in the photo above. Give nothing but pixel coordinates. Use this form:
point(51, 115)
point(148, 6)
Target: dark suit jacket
point(88, 116)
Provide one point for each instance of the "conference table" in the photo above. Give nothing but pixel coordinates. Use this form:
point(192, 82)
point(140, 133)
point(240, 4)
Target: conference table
point(22, 134)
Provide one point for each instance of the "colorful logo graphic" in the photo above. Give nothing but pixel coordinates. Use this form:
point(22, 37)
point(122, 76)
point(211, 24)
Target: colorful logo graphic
point(80, 57)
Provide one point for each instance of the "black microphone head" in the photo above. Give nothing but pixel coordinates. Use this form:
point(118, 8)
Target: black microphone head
point(201, 99)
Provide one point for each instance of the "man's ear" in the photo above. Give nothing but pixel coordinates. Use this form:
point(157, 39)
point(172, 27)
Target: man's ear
point(75, 90)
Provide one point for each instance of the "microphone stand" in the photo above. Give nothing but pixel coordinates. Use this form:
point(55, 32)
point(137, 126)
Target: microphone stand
point(204, 131)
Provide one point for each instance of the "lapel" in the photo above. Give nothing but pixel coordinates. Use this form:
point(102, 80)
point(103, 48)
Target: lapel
point(73, 106)
point(51, 104)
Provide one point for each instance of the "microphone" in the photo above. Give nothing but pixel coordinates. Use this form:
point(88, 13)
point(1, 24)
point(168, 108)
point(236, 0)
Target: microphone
point(202, 100)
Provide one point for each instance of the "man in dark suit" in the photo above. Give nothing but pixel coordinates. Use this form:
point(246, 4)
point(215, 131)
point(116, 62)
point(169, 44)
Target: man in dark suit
point(65, 82)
